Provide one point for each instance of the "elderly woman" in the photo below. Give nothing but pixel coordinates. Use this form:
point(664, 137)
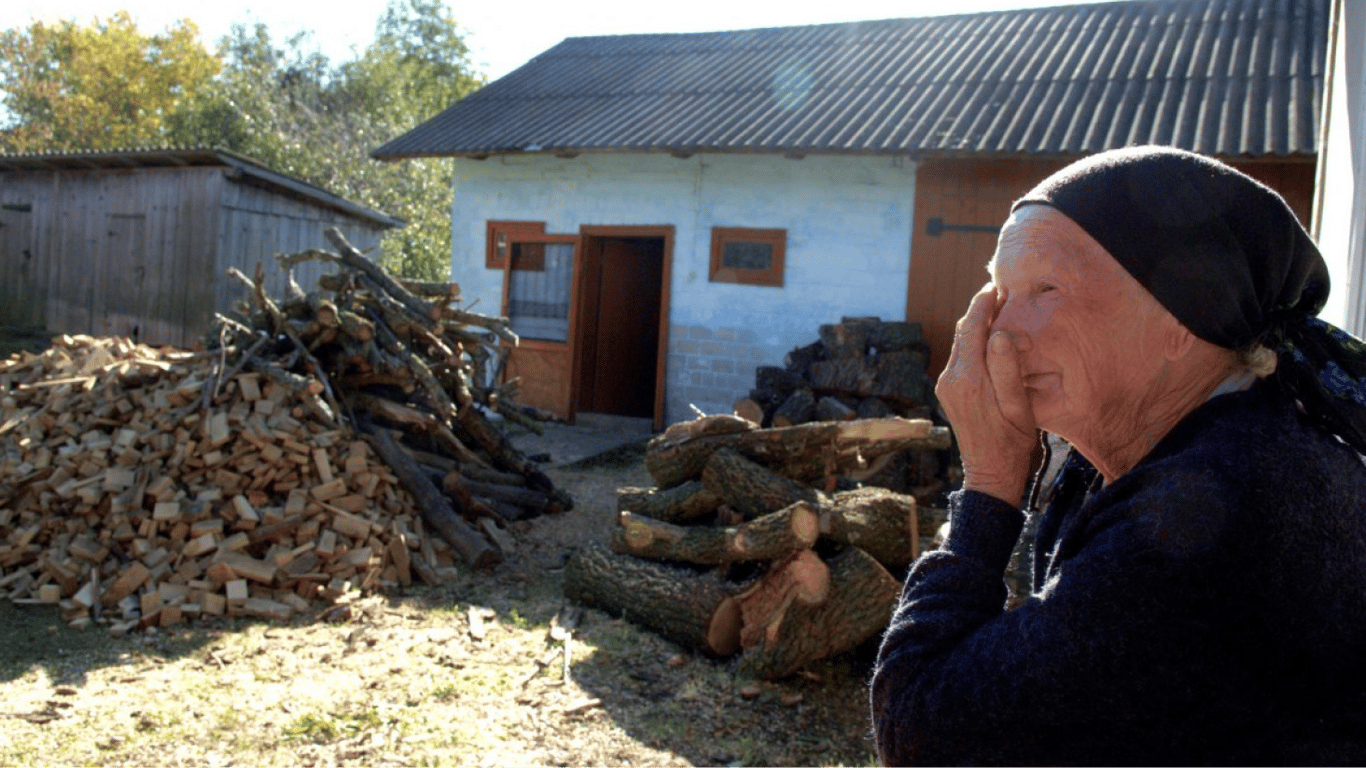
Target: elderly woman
point(1200, 563)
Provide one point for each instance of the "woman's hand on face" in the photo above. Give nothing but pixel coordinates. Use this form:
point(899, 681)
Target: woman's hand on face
point(982, 392)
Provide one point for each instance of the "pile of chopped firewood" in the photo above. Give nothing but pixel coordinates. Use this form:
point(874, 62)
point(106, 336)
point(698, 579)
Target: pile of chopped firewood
point(327, 445)
point(743, 545)
point(859, 368)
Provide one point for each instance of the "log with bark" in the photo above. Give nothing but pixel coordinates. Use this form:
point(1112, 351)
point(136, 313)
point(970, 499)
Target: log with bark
point(768, 537)
point(695, 609)
point(862, 596)
point(798, 408)
point(804, 452)
point(750, 488)
point(883, 523)
point(682, 503)
point(800, 578)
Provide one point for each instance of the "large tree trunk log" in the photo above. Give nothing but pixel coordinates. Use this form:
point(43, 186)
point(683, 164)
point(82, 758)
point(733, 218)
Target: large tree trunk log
point(798, 408)
point(874, 408)
point(749, 488)
point(861, 441)
point(799, 360)
point(749, 409)
point(862, 595)
point(802, 578)
point(882, 523)
point(804, 452)
point(691, 608)
point(848, 339)
point(436, 509)
point(895, 336)
point(831, 409)
point(679, 504)
point(766, 538)
point(486, 475)
point(706, 426)
point(777, 383)
point(896, 376)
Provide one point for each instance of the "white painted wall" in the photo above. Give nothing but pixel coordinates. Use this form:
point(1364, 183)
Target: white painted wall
point(1339, 224)
point(848, 222)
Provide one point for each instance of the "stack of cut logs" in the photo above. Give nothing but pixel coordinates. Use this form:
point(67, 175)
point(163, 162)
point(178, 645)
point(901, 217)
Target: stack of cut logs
point(860, 368)
point(742, 546)
point(263, 476)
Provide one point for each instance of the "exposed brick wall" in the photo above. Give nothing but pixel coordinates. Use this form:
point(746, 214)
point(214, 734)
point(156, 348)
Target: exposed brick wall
point(711, 368)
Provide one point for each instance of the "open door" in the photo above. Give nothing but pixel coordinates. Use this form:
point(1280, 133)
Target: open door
point(623, 326)
point(538, 300)
point(619, 325)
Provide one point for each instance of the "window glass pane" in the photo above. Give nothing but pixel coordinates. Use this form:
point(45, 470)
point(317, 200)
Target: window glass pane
point(739, 254)
point(538, 300)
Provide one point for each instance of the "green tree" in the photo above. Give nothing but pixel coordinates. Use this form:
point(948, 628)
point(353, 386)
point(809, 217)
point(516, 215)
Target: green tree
point(287, 106)
point(105, 85)
point(418, 66)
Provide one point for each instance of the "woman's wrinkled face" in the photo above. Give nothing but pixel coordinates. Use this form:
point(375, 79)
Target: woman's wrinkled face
point(1089, 336)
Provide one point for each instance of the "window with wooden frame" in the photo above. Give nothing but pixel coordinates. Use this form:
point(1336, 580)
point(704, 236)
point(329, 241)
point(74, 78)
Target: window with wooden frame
point(500, 233)
point(750, 256)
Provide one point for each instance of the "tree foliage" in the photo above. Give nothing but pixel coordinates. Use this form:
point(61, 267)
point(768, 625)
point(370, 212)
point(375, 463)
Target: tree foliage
point(282, 103)
point(289, 107)
point(101, 86)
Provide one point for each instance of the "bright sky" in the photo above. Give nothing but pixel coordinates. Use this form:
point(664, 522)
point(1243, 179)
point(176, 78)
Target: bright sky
point(501, 37)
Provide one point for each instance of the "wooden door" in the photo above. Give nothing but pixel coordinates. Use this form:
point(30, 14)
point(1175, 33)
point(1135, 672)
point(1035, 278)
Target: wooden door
point(622, 282)
point(22, 293)
point(959, 208)
point(539, 282)
point(124, 295)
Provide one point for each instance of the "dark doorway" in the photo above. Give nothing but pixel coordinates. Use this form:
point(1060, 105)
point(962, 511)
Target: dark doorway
point(620, 310)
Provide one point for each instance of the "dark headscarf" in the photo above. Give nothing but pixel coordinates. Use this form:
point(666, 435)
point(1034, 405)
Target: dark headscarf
point(1227, 257)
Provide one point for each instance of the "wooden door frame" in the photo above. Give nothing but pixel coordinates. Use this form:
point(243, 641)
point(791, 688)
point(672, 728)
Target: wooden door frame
point(665, 232)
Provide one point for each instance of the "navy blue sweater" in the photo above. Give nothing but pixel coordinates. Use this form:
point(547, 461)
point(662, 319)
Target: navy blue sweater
point(1207, 607)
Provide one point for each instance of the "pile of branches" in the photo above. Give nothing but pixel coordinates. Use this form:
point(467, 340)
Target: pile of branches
point(397, 361)
point(745, 546)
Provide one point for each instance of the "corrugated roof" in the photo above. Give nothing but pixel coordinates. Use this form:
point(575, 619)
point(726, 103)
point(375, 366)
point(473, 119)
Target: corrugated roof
point(161, 157)
point(1223, 77)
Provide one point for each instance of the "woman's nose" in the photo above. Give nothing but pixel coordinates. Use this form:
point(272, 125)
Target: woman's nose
point(1013, 319)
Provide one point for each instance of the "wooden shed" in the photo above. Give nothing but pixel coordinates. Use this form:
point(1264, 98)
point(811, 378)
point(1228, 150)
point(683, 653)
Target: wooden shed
point(137, 243)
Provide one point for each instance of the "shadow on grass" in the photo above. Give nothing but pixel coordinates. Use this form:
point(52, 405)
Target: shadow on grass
point(695, 707)
point(35, 637)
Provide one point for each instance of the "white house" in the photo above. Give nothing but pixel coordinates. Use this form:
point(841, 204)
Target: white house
point(660, 214)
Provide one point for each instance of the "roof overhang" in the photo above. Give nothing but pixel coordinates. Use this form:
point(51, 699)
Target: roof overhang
point(240, 168)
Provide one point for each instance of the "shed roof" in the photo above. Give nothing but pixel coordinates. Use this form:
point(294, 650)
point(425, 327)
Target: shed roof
point(184, 157)
point(1223, 77)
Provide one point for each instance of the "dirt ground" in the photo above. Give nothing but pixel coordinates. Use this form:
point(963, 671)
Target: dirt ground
point(404, 681)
